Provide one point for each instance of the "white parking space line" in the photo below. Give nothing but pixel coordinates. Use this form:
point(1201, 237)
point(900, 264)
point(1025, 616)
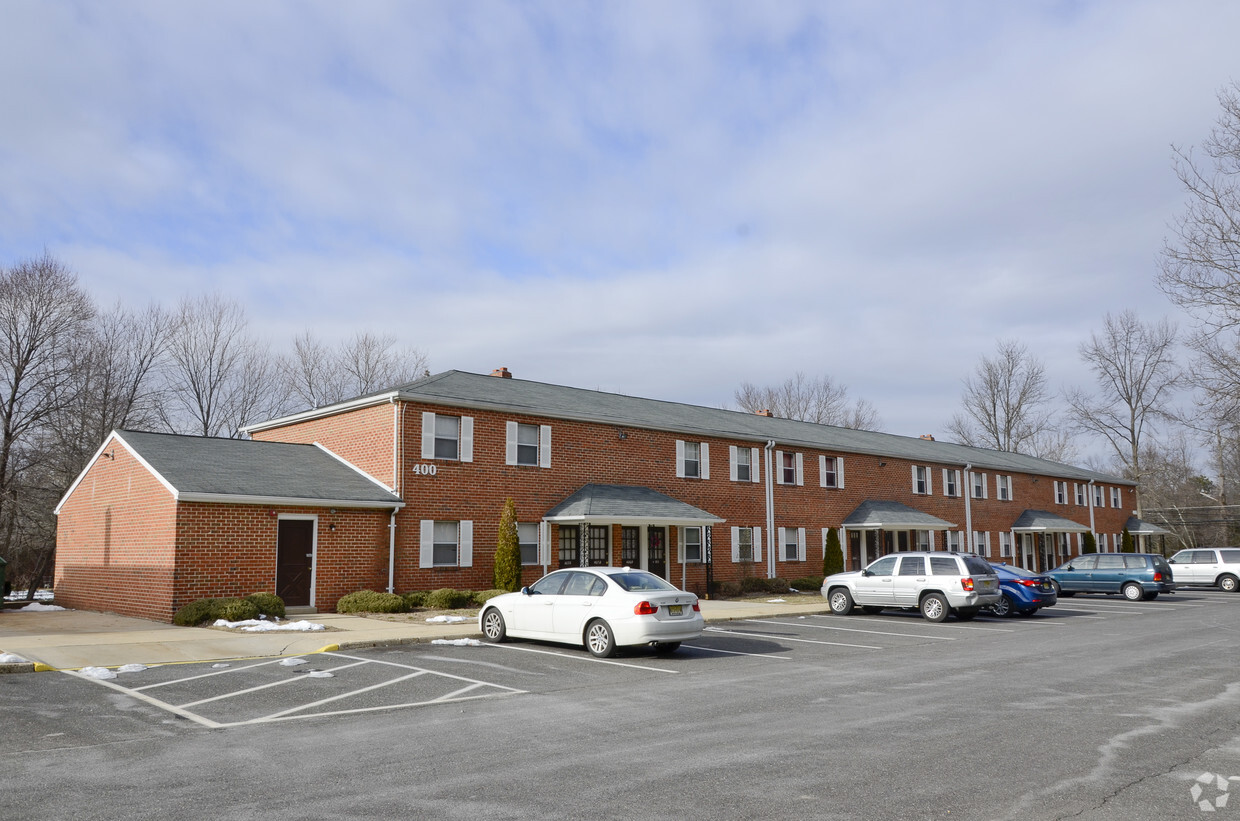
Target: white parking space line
point(154, 702)
point(851, 629)
point(736, 652)
point(205, 675)
point(507, 646)
point(248, 690)
point(786, 638)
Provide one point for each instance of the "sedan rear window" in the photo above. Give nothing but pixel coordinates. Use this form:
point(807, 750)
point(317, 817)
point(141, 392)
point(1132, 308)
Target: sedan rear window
point(639, 580)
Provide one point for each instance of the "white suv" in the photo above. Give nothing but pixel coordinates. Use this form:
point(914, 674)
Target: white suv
point(1213, 566)
point(935, 582)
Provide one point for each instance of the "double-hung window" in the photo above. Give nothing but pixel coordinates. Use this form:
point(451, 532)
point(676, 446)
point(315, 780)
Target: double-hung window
point(746, 544)
point(830, 471)
point(981, 542)
point(528, 445)
point(979, 485)
point(792, 544)
point(447, 437)
point(951, 540)
point(1117, 496)
point(1005, 544)
point(1003, 488)
point(690, 545)
point(743, 464)
point(921, 479)
point(1097, 495)
point(1061, 493)
point(951, 482)
point(1080, 493)
point(789, 468)
point(446, 544)
point(527, 537)
point(692, 460)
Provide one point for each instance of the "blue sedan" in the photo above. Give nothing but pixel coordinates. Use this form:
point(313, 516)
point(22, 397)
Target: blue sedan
point(1023, 592)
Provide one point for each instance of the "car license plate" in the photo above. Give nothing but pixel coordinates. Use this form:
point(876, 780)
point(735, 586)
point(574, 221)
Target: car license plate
point(675, 609)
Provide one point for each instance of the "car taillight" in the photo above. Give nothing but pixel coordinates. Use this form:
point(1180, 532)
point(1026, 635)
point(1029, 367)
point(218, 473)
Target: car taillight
point(1026, 582)
point(1157, 576)
point(645, 609)
point(967, 582)
point(696, 609)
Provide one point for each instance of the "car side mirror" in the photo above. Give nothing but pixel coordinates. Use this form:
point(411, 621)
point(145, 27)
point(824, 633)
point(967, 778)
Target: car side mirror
point(866, 572)
point(526, 591)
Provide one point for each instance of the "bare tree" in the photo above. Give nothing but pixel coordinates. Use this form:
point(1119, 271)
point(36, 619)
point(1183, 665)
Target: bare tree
point(313, 372)
point(819, 400)
point(318, 375)
point(1137, 374)
point(1006, 406)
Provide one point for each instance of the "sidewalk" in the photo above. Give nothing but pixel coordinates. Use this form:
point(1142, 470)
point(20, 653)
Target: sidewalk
point(73, 639)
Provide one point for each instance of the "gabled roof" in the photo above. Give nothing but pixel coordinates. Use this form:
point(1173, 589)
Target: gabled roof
point(618, 503)
point(1042, 521)
point(1140, 527)
point(203, 469)
point(468, 390)
point(879, 514)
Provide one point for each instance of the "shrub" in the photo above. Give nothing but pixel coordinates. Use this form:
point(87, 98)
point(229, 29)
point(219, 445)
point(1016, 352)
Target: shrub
point(1089, 544)
point(237, 609)
point(777, 585)
point(445, 598)
point(508, 551)
point(753, 584)
point(729, 590)
point(195, 613)
point(807, 583)
point(1127, 543)
point(832, 558)
point(268, 604)
point(483, 596)
point(414, 599)
point(370, 601)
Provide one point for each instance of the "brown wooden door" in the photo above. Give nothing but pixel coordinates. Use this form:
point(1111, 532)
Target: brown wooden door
point(294, 555)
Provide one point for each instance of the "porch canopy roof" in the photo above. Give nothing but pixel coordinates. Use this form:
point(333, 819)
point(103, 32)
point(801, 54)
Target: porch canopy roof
point(878, 514)
point(626, 504)
point(1041, 521)
point(1140, 527)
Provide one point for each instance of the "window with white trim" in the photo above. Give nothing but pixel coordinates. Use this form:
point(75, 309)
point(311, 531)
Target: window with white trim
point(446, 544)
point(447, 437)
point(1061, 493)
point(789, 468)
point(1080, 494)
point(925, 540)
point(746, 544)
point(981, 542)
point(951, 540)
point(1003, 488)
point(527, 536)
point(921, 479)
point(692, 460)
point(1117, 497)
point(830, 471)
point(691, 545)
point(1005, 544)
point(743, 464)
point(951, 482)
point(792, 544)
point(1102, 543)
point(979, 485)
point(1097, 495)
point(528, 445)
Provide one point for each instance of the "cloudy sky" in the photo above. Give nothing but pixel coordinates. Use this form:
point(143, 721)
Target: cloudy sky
point(662, 199)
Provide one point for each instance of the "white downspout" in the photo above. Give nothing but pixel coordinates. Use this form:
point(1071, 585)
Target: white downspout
point(392, 552)
point(770, 510)
point(1092, 531)
point(968, 508)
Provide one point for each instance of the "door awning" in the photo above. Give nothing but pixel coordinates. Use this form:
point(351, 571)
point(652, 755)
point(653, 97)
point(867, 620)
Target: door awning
point(627, 504)
point(1041, 521)
point(1139, 527)
point(877, 514)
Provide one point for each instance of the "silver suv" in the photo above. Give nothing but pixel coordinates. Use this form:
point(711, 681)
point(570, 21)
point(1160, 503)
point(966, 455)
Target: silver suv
point(936, 583)
point(1213, 566)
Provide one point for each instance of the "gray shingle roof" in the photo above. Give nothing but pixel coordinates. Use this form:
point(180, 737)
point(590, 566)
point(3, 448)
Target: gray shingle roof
point(201, 467)
point(615, 502)
point(1032, 521)
point(879, 514)
point(461, 389)
point(1140, 527)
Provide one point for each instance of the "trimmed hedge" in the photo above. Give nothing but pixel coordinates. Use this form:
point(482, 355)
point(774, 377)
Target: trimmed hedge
point(483, 596)
point(201, 611)
point(445, 598)
point(371, 601)
point(808, 583)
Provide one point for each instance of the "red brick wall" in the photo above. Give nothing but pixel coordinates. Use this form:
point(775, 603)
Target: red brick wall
point(363, 437)
point(114, 541)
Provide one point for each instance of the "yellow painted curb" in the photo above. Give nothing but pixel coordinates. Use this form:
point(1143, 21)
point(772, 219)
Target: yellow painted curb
point(331, 648)
point(40, 667)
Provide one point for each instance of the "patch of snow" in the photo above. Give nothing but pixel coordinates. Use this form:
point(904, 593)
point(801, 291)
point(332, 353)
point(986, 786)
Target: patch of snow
point(459, 642)
point(11, 658)
point(263, 626)
point(291, 662)
point(447, 619)
point(131, 668)
point(775, 601)
point(36, 607)
point(221, 664)
point(319, 674)
point(101, 673)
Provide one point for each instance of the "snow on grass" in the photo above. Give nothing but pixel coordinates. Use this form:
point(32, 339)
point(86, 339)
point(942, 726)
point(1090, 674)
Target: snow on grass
point(35, 607)
point(12, 658)
point(447, 619)
point(459, 642)
point(266, 626)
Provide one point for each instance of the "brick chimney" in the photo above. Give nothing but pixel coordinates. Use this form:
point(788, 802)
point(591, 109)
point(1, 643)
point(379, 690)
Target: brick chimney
point(927, 437)
point(765, 412)
point(502, 373)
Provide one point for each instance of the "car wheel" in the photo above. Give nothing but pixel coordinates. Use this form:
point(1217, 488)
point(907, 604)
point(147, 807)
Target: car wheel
point(841, 601)
point(1004, 607)
point(666, 646)
point(493, 627)
point(1149, 596)
point(1133, 592)
point(1228, 584)
point(870, 609)
point(599, 639)
point(934, 607)
point(967, 613)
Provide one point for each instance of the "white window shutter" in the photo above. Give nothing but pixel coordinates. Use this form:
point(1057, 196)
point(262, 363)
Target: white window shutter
point(426, 547)
point(704, 470)
point(680, 458)
point(467, 438)
point(680, 543)
point(757, 544)
point(732, 470)
point(779, 467)
point(824, 542)
point(800, 469)
point(985, 493)
point(544, 446)
point(428, 436)
point(736, 545)
point(510, 444)
point(782, 538)
point(839, 472)
point(754, 472)
point(801, 544)
point(465, 550)
point(822, 470)
point(914, 468)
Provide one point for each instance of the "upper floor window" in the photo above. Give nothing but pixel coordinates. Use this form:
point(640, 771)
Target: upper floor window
point(692, 460)
point(1097, 495)
point(921, 479)
point(447, 437)
point(979, 485)
point(1080, 493)
point(951, 482)
point(1117, 497)
point(789, 468)
point(743, 463)
point(528, 445)
point(1061, 493)
point(830, 471)
point(1003, 488)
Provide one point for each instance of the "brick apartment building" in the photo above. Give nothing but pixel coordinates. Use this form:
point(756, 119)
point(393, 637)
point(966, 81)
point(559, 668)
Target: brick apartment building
point(403, 490)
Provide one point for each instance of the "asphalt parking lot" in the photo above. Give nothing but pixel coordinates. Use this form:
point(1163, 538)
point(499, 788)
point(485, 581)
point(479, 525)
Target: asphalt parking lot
point(1096, 708)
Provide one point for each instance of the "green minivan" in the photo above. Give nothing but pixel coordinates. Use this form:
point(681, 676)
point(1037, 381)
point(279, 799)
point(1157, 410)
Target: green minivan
point(1136, 575)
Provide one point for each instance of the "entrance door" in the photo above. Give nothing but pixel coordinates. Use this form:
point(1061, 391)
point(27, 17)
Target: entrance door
point(294, 554)
point(656, 551)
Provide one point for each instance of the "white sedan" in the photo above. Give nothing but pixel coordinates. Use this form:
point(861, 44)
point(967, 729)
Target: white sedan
point(600, 607)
